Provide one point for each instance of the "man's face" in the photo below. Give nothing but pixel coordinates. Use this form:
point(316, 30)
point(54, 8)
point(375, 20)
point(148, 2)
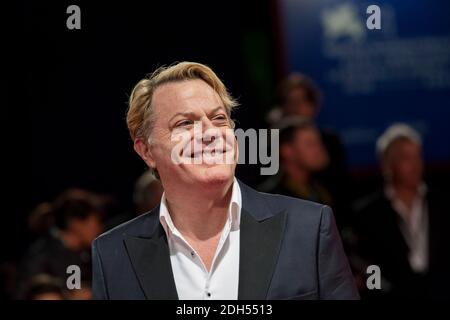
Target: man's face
point(297, 103)
point(308, 150)
point(406, 163)
point(180, 107)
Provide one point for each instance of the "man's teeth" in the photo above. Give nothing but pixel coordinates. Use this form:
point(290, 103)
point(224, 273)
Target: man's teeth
point(207, 153)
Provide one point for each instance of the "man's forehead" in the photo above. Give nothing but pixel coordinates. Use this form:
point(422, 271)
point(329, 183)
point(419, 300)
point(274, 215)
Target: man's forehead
point(403, 146)
point(183, 92)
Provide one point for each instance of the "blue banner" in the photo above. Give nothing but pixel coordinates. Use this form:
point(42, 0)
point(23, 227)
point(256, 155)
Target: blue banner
point(372, 78)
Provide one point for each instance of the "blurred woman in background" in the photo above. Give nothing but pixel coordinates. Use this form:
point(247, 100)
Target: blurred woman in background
point(66, 227)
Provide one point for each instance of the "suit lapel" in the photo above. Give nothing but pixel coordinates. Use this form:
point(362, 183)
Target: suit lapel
point(260, 241)
point(150, 258)
point(261, 233)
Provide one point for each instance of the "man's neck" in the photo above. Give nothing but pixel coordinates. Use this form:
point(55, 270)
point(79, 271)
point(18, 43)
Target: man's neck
point(406, 194)
point(200, 215)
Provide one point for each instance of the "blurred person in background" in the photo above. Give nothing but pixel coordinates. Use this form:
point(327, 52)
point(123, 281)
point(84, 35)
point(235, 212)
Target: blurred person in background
point(402, 227)
point(74, 220)
point(41, 219)
point(147, 192)
point(44, 287)
point(298, 96)
point(302, 154)
point(147, 195)
point(84, 293)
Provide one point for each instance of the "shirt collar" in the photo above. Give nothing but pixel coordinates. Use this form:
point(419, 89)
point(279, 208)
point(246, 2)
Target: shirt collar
point(390, 192)
point(399, 206)
point(234, 211)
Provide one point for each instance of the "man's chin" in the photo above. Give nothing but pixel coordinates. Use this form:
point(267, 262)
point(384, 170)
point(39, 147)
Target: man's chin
point(212, 175)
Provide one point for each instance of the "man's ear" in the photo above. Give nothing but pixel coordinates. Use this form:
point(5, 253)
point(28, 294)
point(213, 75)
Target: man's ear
point(144, 151)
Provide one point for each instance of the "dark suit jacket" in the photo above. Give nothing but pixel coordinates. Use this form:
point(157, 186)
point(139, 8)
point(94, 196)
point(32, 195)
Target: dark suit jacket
point(289, 249)
point(380, 242)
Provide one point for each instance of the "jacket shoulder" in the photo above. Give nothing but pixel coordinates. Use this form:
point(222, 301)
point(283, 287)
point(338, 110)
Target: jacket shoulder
point(134, 227)
point(298, 208)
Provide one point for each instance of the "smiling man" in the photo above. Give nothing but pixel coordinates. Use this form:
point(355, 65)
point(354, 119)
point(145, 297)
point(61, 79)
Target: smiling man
point(212, 237)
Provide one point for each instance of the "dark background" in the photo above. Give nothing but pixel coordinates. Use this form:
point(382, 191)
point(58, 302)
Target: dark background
point(71, 89)
point(76, 83)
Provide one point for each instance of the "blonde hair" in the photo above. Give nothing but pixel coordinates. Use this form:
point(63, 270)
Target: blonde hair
point(140, 116)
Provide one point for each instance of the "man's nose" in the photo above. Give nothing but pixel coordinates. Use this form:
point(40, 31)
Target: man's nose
point(207, 124)
point(209, 131)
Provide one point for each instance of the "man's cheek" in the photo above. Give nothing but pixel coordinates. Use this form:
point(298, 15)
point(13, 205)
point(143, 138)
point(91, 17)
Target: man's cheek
point(175, 149)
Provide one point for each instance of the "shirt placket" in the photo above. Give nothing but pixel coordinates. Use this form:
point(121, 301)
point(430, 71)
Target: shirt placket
point(190, 252)
point(208, 292)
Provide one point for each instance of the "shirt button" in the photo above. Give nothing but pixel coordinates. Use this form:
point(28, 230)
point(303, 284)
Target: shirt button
point(208, 294)
point(192, 254)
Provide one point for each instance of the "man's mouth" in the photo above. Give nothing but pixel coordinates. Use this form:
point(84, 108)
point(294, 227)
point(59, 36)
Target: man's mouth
point(207, 153)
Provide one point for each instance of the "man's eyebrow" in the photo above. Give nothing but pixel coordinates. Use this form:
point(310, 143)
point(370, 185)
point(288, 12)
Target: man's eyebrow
point(190, 113)
point(216, 109)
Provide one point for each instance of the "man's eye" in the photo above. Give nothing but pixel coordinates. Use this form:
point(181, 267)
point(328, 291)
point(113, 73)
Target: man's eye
point(221, 120)
point(220, 117)
point(183, 123)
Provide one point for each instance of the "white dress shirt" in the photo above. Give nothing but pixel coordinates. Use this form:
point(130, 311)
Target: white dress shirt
point(414, 227)
point(192, 279)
